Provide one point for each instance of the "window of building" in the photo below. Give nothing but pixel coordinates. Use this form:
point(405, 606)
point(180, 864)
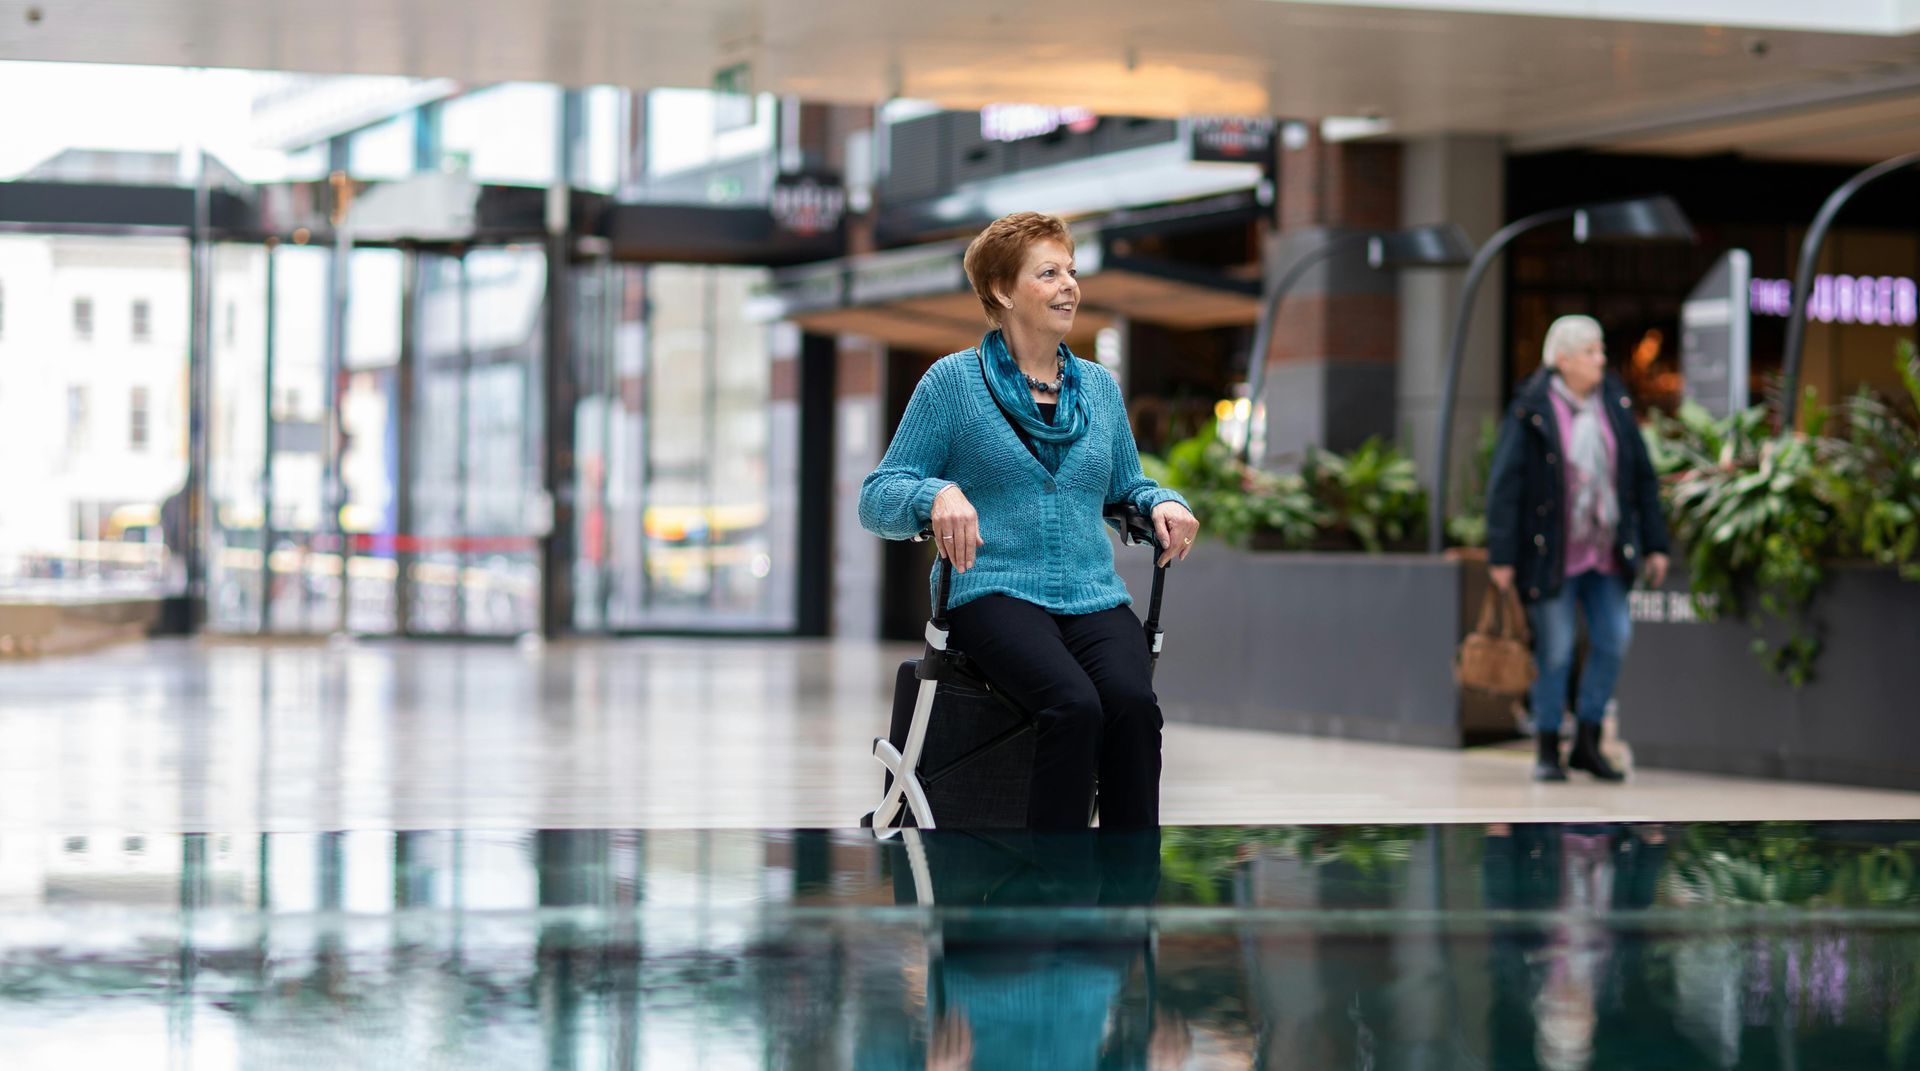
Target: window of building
point(143, 320)
point(383, 153)
point(690, 128)
point(138, 427)
point(83, 319)
point(76, 419)
point(506, 134)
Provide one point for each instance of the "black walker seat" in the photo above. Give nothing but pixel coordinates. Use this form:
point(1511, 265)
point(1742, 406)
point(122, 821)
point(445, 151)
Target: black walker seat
point(958, 748)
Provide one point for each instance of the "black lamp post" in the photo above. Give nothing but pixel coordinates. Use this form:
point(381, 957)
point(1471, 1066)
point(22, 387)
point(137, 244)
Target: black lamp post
point(1436, 245)
point(1643, 218)
point(1803, 278)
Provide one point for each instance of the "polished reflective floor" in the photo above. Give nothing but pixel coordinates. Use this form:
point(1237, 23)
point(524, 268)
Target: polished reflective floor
point(233, 737)
point(1553, 946)
point(367, 855)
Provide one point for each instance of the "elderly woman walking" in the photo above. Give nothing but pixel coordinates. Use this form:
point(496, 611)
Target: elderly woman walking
point(1008, 452)
point(1573, 513)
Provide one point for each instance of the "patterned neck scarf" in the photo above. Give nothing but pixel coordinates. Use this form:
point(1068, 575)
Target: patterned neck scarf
point(1009, 387)
point(1595, 505)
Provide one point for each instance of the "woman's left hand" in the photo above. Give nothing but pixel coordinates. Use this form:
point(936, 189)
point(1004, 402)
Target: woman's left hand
point(1655, 572)
point(1176, 528)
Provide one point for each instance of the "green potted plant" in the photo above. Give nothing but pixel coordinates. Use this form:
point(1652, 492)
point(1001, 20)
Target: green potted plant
point(1761, 513)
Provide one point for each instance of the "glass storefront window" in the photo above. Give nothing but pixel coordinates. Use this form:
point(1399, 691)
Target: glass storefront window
point(369, 418)
point(305, 595)
point(692, 461)
point(503, 437)
point(479, 348)
point(237, 440)
point(84, 510)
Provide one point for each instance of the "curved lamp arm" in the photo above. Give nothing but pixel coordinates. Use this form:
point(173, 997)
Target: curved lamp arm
point(1269, 322)
point(1803, 278)
point(1443, 454)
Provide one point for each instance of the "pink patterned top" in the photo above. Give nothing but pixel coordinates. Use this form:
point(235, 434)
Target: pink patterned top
point(1590, 556)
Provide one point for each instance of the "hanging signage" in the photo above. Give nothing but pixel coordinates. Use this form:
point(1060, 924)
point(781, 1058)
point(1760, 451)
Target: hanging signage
point(1018, 122)
point(1232, 139)
point(1714, 335)
point(808, 205)
point(1886, 300)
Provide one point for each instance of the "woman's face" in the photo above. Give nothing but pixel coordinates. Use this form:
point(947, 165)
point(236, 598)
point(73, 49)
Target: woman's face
point(1583, 366)
point(1046, 293)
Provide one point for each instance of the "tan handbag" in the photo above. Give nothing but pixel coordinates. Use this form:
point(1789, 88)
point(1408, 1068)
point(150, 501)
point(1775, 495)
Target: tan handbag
point(1497, 657)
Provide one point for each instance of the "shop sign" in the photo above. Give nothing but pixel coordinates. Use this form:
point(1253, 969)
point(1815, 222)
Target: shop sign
point(808, 205)
point(1232, 139)
point(1714, 335)
point(1886, 300)
point(1018, 122)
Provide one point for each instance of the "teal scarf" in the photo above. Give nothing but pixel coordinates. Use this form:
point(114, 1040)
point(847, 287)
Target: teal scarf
point(1009, 387)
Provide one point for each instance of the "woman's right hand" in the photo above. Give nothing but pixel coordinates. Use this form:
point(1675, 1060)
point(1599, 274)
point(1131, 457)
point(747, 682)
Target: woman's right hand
point(1502, 576)
point(956, 527)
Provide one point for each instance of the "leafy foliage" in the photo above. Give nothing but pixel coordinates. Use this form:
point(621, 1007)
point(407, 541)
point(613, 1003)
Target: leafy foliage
point(1198, 863)
point(1373, 495)
point(1877, 472)
point(1777, 864)
point(1762, 512)
point(1369, 499)
point(1468, 528)
point(1232, 499)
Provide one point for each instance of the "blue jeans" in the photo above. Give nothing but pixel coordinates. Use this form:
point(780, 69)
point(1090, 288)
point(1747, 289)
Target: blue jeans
point(1603, 600)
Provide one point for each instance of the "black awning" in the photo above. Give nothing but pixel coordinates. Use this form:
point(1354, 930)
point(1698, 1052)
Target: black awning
point(55, 206)
point(701, 234)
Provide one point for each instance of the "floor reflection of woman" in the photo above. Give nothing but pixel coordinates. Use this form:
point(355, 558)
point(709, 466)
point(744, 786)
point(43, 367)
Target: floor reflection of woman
point(1017, 977)
point(1556, 987)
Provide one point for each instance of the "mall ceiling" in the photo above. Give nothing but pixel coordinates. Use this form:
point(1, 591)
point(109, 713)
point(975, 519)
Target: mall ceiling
point(1424, 66)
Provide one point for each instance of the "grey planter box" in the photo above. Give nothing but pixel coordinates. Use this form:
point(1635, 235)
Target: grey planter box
point(1329, 644)
point(1693, 696)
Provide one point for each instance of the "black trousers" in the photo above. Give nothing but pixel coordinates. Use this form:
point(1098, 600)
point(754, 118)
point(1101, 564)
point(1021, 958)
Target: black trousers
point(1086, 679)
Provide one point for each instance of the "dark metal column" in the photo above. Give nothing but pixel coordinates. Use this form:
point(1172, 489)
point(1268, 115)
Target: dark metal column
point(333, 488)
point(819, 365)
point(462, 506)
point(560, 382)
point(192, 611)
point(406, 447)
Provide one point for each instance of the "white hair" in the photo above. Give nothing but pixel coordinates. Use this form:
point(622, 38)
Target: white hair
point(1568, 334)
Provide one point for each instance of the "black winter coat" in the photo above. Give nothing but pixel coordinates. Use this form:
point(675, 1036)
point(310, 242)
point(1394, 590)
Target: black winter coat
point(1526, 491)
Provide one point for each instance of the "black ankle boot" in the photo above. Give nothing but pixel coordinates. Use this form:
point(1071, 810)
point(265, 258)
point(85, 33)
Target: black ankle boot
point(1586, 753)
point(1546, 764)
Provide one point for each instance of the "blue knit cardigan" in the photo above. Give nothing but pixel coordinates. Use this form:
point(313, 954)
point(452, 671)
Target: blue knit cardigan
point(1045, 541)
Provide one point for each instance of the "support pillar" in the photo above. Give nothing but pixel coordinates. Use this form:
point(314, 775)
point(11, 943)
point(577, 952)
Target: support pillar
point(1331, 369)
point(1457, 179)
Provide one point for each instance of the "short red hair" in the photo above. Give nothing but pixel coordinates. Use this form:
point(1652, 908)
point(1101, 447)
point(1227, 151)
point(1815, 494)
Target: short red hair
point(994, 258)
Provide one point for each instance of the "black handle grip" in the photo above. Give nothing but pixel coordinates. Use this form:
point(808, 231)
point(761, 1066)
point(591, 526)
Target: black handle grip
point(1136, 527)
point(1132, 525)
point(1153, 600)
point(943, 583)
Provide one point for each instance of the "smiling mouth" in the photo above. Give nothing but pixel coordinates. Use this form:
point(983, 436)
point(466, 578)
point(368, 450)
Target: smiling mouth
point(1063, 307)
